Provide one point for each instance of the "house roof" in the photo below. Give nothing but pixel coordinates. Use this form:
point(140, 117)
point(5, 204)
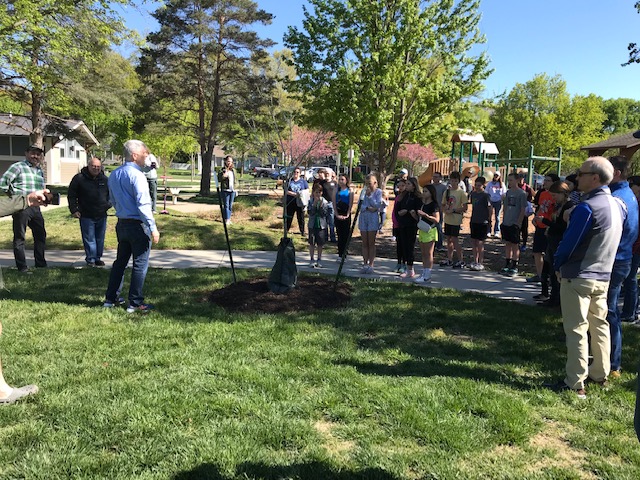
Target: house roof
point(19, 126)
point(619, 141)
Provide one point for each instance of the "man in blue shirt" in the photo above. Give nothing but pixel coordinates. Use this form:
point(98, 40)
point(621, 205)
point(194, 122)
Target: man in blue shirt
point(583, 263)
point(622, 266)
point(136, 228)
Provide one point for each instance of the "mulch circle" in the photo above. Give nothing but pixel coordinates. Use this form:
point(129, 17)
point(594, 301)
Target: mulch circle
point(310, 293)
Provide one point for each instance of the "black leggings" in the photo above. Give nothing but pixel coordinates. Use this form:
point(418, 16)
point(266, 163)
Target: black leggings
point(293, 208)
point(524, 230)
point(407, 243)
point(343, 228)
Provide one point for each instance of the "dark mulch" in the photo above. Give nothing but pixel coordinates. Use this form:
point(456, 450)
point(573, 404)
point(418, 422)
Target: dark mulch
point(310, 293)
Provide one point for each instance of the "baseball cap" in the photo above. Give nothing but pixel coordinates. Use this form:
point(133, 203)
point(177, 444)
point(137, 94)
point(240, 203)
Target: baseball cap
point(404, 171)
point(35, 147)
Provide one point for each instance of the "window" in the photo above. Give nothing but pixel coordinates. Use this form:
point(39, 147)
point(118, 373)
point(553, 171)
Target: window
point(19, 145)
point(5, 146)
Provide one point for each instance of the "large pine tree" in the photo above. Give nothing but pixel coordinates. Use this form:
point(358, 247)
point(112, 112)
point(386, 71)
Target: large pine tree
point(196, 68)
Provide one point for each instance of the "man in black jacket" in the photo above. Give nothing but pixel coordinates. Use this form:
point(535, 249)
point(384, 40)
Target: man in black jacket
point(89, 202)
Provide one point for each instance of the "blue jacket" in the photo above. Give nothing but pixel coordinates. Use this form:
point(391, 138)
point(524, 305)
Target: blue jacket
point(622, 191)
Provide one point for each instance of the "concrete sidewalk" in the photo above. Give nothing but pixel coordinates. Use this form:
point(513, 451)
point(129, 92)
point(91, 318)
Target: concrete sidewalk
point(488, 283)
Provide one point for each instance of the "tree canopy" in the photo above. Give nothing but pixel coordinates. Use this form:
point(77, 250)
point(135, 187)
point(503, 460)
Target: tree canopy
point(634, 49)
point(198, 64)
point(541, 113)
point(48, 45)
point(382, 73)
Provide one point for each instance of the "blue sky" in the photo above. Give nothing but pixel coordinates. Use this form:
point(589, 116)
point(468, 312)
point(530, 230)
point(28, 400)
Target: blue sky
point(584, 41)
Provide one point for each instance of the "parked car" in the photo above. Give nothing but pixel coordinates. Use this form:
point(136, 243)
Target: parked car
point(285, 173)
point(311, 173)
point(265, 170)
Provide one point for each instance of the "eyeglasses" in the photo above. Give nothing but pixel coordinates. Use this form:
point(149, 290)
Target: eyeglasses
point(581, 173)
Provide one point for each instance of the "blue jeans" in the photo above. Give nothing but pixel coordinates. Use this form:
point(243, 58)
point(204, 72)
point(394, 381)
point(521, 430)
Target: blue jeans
point(630, 288)
point(92, 230)
point(497, 206)
point(227, 203)
point(620, 271)
point(134, 238)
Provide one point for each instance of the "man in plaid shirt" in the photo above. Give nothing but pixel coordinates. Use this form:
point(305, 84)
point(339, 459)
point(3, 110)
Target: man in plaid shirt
point(23, 178)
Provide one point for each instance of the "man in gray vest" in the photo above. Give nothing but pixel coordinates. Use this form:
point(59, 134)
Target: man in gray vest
point(583, 263)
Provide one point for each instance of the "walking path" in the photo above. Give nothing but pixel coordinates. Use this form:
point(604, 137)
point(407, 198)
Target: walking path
point(488, 283)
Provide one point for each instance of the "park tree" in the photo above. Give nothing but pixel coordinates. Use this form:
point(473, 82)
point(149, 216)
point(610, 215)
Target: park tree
point(541, 113)
point(417, 156)
point(633, 48)
point(199, 62)
point(263, 130)
point(302, 145)
point(382, 73)
point(48, 45)
point(622, 115)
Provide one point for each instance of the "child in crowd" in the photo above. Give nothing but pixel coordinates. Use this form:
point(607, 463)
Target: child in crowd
point(430, 213)
point(407, 223)
point(401, 187)
point(556, 225)
point(515, 204)
point(481, 213)
point(318, 209)
point(496, 189)
point(545, 206)
point(383, 208)
point(454, 206)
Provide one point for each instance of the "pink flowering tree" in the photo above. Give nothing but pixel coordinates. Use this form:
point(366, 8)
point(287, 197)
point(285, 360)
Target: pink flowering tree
point(301, 145)
point(416, 155)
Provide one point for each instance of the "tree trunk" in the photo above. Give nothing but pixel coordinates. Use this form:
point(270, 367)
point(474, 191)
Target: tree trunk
point(205, 180)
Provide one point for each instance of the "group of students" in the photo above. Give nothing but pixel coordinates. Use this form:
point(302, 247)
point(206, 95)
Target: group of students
point(328, 204)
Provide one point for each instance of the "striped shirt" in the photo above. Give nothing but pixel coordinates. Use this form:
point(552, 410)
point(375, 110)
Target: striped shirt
point(22, 178)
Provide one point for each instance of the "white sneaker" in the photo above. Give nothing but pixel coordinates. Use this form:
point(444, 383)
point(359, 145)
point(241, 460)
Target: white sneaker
point(423, 279)
point(318, 264)
point(312, 264)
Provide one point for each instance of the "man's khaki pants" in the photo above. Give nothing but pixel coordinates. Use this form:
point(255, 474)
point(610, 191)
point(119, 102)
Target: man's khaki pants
point(584, 309)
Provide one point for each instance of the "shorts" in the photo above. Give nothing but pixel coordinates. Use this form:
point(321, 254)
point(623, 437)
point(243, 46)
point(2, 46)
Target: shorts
point(510, 233)
point(540, 240)
point(317, 236)
point(479, 231)
point(451, 230)
point(430, 236)
point(369, 221)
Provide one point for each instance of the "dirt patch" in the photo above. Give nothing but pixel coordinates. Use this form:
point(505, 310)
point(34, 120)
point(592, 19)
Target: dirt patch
point(310, 293)
point(334, 445)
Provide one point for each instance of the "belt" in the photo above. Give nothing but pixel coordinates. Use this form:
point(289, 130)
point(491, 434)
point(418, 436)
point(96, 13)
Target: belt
point(129, 220)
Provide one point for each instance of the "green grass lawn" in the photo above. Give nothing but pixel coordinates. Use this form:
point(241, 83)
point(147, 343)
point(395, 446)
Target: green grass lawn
point(257, 228)
point(405, 383)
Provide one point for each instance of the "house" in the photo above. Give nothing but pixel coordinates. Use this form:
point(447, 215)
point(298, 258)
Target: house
point(65, 143)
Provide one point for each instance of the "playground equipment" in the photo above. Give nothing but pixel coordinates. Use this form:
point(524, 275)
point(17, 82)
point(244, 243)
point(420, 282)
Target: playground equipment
point(527, 163)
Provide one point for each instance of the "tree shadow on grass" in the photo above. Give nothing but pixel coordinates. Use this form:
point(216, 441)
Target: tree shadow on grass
point(301, 471)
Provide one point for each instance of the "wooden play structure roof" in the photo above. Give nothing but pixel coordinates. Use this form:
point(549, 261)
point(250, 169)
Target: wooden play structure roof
point(628, 144)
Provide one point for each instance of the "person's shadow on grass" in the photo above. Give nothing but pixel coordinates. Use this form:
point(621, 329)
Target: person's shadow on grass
point(302, 471)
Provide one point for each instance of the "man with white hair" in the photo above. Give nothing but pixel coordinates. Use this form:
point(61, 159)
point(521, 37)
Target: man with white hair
point(136, 228)
point(583, 263)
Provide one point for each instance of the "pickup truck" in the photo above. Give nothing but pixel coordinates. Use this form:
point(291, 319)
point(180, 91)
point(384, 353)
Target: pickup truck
point(265, 170)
